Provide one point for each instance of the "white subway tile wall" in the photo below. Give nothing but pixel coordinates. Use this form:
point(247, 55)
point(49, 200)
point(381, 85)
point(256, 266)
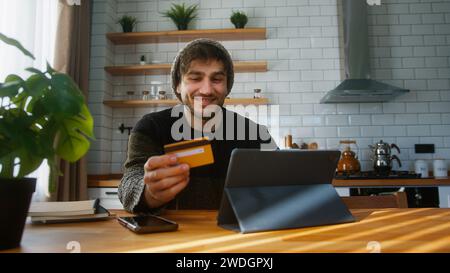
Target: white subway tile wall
point(409, 47)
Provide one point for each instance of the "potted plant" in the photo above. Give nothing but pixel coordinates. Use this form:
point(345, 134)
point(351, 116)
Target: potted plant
point(181, 15)
point(41, 117)
point(127, 23)
point(142, 60)
point(238, 19)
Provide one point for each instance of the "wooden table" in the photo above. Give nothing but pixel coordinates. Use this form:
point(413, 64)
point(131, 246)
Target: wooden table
point(385, 230)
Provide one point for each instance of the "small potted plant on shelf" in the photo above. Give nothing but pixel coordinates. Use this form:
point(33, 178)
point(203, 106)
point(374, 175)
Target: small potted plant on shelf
point(142, 60)
point(42, 117)
point(239, 19)
point(128, 23)
point(181, 15)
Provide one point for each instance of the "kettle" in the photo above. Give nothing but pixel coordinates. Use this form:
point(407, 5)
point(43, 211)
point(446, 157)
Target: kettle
point(348, 163)
point(382, 158)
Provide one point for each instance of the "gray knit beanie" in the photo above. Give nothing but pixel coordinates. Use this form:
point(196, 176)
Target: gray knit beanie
point(197, 49)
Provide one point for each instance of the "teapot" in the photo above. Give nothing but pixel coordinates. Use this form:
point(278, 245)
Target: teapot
point(348, 163)
point(382, 158)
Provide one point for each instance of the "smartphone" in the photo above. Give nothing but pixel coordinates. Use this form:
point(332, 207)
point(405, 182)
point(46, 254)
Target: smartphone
point(147, 224)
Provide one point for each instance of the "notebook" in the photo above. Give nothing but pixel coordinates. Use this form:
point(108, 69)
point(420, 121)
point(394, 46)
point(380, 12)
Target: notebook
point(62, 208)
point(66, 212)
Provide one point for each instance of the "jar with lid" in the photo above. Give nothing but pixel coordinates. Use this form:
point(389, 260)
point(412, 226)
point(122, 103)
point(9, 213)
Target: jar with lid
point(421, 167)
point(145, 95)
point(257, 93)
point(440, 169)
point(162, 95)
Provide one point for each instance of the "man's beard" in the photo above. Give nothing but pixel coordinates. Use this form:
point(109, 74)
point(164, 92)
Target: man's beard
point(206, 113)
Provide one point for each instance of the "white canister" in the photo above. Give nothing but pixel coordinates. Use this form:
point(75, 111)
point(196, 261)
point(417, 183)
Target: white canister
point(421, 167)
point(440, 169)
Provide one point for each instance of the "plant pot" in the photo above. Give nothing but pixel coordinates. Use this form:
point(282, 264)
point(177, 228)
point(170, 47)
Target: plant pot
point(239, 25)
point(127, 28)
point(182, 26)
point(15, 198)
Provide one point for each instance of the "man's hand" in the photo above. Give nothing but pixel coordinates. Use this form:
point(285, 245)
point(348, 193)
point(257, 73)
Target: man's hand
point(164, 178)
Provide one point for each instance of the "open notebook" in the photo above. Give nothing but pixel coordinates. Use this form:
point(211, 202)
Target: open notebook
point(60, 212)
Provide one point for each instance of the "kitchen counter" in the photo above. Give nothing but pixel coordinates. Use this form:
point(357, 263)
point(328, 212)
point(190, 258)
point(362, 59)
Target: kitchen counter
point(105, 187)
point(417, 182)
point(113, 180)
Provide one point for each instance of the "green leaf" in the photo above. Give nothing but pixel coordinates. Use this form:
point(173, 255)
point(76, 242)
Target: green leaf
point(36, 87)
point(13, 78)
point(37, 108)
point(21, 142)
point(73, 136)
point(87, 124)
point(10, 89)
point(17, 44)
point(37, 84)
point(65, 98)
point(30, 158)
point(33, 70)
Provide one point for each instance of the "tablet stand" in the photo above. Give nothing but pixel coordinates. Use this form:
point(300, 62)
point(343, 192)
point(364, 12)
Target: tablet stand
point(262, 208)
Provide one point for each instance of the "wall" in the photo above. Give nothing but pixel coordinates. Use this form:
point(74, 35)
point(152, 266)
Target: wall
point(409, 47)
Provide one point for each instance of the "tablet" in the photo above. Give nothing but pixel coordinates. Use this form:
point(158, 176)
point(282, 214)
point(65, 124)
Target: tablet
point(270, 190)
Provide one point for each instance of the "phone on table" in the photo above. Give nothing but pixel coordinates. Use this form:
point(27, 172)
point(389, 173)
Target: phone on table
point(147, 224)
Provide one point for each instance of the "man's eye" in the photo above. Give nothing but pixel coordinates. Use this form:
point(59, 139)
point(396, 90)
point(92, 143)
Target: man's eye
point(194, 79)
point(218, 80)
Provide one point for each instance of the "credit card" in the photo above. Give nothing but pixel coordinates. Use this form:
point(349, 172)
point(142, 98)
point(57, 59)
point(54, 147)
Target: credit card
point(196, 152)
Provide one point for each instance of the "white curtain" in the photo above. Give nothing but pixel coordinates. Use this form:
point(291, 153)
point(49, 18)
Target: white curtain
point(33, 24)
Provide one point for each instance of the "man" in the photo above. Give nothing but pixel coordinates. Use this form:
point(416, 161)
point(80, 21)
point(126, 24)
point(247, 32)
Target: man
point(202, 77)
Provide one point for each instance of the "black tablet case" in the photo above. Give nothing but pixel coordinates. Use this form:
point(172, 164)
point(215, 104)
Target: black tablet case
point(271, 190)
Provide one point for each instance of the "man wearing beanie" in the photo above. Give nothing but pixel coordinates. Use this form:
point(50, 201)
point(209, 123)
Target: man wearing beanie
point(202, 77)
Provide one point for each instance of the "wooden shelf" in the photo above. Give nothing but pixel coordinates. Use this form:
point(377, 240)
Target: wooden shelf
point(229, 34)
point(163, 69)
point(172, 102)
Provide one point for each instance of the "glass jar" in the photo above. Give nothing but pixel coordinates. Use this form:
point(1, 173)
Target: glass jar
point(257, 93)
point(145, 95)
point(440, 169)
point(162, 95)
point(154, 91)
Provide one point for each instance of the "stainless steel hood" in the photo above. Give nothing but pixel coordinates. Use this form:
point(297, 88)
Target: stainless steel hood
point(358, 87)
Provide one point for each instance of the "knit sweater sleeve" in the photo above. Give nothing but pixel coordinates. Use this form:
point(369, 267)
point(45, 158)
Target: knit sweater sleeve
point(131, 188)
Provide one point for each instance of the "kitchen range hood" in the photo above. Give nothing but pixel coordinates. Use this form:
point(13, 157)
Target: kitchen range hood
point(358, 87)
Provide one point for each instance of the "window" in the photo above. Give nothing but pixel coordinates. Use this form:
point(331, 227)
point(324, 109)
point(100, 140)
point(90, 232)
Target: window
point(33, 24)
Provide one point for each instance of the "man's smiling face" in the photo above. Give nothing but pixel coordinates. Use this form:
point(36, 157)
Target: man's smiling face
point(204, 83)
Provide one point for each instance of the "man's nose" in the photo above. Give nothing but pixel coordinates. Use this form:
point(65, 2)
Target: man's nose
point(206, 88)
